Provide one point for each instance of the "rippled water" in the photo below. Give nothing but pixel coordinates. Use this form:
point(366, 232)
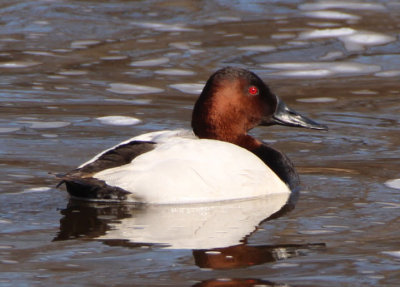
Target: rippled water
point(80, 76)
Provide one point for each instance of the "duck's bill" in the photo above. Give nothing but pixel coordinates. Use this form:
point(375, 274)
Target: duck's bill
point(288, 117)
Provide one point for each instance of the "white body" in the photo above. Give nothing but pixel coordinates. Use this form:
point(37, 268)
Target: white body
point(185, 169)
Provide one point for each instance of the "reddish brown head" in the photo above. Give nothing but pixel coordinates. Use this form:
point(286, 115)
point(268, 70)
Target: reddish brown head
point(234, 101)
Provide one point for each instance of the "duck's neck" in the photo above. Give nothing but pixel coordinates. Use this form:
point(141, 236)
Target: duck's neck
point(248, 142)
point(222, 134)
point(215, 118)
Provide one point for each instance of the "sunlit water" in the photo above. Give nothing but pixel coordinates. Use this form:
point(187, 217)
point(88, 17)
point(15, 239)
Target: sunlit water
point(78, 77)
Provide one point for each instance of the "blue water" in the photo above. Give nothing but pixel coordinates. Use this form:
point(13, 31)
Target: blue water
point(62, 64)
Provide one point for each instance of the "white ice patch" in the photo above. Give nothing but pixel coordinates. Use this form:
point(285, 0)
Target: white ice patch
point(147, 40)
point(229, 19)
point(8, 130)
point(342, 5)
point(358, 40)
point(131, 89)
point(282, 36)
point(353, 40)
point(133, 101)
point(175, 72)
point(257, 48)
point(72, 72)
point(364, 92)
point(46, 125)
point(391, 73)
point(194, 89)
point(181, 45)
point(315, 73)
point(184, 45)
point(38, 53)
point(316, 231)
point(392, 253)
point(49, 136)
point(82, 44)
point(323, 24)
point(331, 15)
point(393, 183)
point(163, 27)
point(331, 55)
point(36, 189)
point(321, 69)
point(18, 64)
point(118, 120)
point(317, 100)
point(114, 58)
point(326, 33)
point(150, 62)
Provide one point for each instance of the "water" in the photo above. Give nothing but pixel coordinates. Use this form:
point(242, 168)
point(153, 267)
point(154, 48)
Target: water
point(79, 76)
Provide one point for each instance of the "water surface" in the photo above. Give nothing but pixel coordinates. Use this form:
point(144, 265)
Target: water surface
point(80, 76)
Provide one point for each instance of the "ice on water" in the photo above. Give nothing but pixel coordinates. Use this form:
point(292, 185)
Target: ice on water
point(118, 120)
point(150, 62)
point(352, 39)
point(45, 125)
point(321, 69)
point(393, 183)
point(258, 48)
point(175, 72)
point(326, 14)
point(188, 88)
point(132, 89)
point(351, 5)
point(18, 64)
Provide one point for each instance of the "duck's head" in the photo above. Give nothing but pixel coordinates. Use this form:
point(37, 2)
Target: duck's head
point(234, 101)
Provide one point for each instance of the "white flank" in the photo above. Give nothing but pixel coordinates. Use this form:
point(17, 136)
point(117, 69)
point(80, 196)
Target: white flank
point(186, 170)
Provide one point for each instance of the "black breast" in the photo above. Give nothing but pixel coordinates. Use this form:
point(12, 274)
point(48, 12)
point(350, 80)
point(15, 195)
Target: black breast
point(280, 164)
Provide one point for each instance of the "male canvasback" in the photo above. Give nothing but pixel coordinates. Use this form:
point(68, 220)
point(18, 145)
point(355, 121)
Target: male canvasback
point(217, 161)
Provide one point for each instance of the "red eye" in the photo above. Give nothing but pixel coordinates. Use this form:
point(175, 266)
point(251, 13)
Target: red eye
point(253, 90)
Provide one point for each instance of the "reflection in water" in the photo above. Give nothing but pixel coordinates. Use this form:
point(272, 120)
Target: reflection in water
point(185, 226)
point(243, 255)
point(216, 233)
point(238, 283)
point(90, 221)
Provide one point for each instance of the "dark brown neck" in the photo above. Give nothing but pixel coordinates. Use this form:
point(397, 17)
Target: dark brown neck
point(248, 142)
point(243, 140)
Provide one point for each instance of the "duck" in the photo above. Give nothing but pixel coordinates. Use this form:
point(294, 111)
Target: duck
point(215, 161)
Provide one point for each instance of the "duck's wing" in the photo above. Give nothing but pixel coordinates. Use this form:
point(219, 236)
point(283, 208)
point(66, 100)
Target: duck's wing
point(81, 183)
point(120, 155)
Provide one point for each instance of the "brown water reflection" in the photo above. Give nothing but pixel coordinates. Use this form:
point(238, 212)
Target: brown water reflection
point(127, 226)
point(65, 65)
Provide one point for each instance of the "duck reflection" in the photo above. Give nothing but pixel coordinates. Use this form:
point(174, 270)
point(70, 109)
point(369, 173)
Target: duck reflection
point(227, 282)
point(215, 232)
point(243, 255)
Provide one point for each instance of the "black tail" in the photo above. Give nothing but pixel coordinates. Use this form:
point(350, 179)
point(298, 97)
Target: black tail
point(92, 189)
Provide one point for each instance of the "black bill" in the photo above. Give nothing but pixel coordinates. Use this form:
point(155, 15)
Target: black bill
point(288, 117)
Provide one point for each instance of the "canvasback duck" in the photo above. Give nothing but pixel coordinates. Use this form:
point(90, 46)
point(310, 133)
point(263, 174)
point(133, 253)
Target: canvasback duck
point(217, 161)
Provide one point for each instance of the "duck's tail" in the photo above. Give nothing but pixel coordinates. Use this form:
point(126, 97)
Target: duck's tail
point(90, 188)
